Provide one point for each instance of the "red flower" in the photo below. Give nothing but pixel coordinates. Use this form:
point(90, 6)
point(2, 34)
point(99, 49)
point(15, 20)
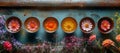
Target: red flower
point(92, 38)
point(7, 45)
point(118, 38)
point(105, 25)
point(107, 43)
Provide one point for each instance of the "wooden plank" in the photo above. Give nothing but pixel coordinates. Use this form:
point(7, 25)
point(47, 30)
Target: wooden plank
point(79, 3)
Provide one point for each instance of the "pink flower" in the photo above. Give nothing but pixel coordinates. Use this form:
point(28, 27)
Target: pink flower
point(45, 45)
point(118, 38)
point(69, 45)
point(71, 41)
point(53, 50)
point(32, 25)
point(13, 25)
point(7, 45)
point(28, 48)
point(39, 46)
point(92, 38)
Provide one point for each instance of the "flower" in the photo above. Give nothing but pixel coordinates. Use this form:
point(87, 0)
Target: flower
point(53, 50)
point(45, 45)
point(105, 25)
point(2, 31)
point(32, 25)
point(86, 25)
point(107, 43)
point(16, 43)
point(69, 45)
point(13, 25)
point(28, 48)
point(51, 25)
point(1, 26)
point(118, 38)
point(2, 22)
point(69, 25)
point(92, 38)
point(7, 45)
point(71, 41)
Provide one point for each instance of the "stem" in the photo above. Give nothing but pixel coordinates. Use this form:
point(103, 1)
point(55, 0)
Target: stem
point(115, 49)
